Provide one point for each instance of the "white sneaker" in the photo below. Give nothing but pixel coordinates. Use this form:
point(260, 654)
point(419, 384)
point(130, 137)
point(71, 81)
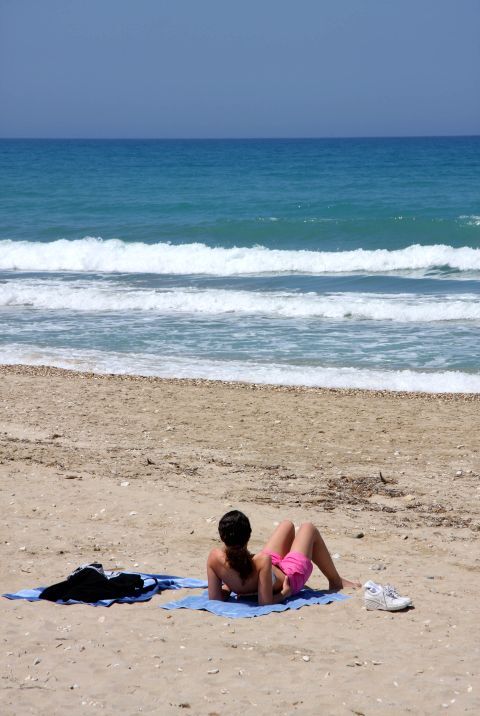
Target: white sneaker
point(379, 597)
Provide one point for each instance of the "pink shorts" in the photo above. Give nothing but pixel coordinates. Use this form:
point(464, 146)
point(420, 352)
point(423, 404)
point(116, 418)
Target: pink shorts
point(295, 565)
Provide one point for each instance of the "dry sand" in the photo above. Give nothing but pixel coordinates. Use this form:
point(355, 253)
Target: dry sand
point(190, 450)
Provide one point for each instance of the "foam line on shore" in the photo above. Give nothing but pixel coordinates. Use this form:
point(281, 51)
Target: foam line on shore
point(246, 372)
point(49, 371)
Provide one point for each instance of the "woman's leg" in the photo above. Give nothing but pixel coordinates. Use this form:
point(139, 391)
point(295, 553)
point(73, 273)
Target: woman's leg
point(281, 540)
point(309, 542)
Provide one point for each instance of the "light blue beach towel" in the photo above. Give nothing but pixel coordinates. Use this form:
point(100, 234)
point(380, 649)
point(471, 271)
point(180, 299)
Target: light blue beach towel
point(242, 608)
point(158, 582)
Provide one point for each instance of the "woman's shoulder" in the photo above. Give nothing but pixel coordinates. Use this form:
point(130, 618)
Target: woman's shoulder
point(261, 559)
point(216, 556)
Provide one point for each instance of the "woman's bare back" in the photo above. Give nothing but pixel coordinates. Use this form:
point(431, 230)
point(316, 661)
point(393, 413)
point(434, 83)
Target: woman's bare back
point(230, 578)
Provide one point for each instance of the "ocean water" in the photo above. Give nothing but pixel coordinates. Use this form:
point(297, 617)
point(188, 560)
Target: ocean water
point(338, 263)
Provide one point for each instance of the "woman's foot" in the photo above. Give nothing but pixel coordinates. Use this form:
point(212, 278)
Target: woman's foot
point(341, 583)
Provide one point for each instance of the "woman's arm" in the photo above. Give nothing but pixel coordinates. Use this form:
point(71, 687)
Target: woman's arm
point(215, 590)
point(265, 588)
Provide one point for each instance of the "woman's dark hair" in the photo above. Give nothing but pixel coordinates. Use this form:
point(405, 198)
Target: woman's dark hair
point(234, 530)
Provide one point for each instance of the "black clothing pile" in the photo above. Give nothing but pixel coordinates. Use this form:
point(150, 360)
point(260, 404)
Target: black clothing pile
point(90, 583)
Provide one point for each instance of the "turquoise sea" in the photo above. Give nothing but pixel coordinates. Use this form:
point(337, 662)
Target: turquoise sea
point(344, 263)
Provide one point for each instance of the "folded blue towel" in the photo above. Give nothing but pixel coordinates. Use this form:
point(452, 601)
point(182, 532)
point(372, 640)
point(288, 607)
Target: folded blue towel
point(158, 582)
point(238, 608)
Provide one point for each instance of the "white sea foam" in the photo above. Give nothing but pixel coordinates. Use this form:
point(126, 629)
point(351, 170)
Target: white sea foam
point(471, 220)
point(249, 372)
point(91, 296)
point(95, 255)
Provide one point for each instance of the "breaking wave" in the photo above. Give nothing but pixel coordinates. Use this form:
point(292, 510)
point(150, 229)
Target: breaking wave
point(96, 255)
point(91, 296)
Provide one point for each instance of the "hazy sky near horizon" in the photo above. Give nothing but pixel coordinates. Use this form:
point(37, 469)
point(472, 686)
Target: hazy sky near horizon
point(218, 68)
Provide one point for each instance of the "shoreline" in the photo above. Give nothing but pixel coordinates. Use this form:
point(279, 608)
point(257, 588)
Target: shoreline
point(47, 370)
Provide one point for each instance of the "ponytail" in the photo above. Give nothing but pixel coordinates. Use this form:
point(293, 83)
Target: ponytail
point(240, 559)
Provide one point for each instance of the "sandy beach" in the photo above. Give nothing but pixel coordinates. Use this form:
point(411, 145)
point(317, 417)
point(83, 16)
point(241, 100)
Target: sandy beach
point(190, 450)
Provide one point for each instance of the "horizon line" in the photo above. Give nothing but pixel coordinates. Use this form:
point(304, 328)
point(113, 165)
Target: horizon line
point(248, 138)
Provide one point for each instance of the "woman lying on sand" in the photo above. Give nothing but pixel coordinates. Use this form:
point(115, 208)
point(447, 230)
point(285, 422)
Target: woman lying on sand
point(280, 570)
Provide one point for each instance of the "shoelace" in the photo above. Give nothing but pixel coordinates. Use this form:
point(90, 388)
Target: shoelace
point(391, 591)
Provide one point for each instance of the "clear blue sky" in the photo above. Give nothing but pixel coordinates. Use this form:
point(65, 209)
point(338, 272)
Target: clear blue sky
point(249, 68)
